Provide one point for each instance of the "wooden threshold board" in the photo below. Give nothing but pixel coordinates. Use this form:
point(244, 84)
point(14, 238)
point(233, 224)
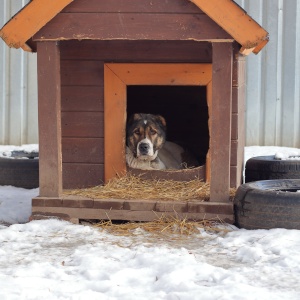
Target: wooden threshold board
point(77, 207)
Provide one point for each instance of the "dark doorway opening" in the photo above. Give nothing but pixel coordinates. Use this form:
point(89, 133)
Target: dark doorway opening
point(184, 108)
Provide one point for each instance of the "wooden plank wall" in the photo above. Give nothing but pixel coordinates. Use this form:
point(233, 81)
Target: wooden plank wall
point(82, 69)
point(82, 96)
point(131, 20)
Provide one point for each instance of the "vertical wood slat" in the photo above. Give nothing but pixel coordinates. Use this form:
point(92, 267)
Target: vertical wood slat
point(49, 109)
point(220, 135)
point(114, 125)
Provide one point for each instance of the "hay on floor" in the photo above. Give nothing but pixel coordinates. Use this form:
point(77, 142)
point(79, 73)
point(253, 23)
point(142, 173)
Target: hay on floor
point(163, 224)
point(134, 187)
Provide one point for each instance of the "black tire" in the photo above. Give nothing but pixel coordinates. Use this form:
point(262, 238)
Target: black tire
point(19, 172)
point(267, 167)
point(268, 204)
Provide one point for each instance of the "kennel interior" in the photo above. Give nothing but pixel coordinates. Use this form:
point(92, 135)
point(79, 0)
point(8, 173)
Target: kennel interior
point(184, 108)
point(82, 98)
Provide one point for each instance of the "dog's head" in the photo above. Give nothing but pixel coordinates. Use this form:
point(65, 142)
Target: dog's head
point(146, 135)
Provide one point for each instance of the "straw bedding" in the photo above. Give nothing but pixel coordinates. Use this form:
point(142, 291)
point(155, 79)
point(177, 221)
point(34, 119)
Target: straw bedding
point(135, 187)
point(162, 225)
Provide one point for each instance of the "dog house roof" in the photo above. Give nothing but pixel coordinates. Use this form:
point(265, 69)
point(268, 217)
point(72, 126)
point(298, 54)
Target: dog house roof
point(18, 31)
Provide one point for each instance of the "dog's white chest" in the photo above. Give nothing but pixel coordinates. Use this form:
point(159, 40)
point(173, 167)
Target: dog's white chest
point(143, 164)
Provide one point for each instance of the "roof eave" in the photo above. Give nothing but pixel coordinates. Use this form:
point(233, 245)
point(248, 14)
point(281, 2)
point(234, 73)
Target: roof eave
point(236, 22)
point(29, 20)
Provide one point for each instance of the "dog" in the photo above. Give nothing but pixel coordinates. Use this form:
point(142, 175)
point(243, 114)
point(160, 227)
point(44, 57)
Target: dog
point(146, 145)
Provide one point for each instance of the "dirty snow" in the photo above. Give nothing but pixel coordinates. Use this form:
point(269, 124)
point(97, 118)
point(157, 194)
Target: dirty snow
point(53, 259)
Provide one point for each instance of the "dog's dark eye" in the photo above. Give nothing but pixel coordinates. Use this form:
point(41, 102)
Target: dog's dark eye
point(137, 132)
point(152, 131)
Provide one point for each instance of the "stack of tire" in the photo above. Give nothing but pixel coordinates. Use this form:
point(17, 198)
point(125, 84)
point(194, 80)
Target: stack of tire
point(270, 198)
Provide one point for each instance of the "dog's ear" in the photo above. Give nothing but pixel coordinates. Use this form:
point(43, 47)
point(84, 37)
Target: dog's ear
point(161, 120)
point(133, 118)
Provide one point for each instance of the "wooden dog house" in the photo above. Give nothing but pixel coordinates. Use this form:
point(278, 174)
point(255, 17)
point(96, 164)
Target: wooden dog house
point(97, 60)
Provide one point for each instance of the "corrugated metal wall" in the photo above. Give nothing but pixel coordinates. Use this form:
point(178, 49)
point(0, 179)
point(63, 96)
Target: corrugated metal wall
point(273, 80)
point(18, 88)
point(273, 76)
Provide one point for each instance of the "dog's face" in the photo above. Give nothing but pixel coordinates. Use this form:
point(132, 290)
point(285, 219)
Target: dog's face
point(146, 135)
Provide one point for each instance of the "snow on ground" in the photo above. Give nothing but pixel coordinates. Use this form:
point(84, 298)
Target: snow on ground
point(54, 259)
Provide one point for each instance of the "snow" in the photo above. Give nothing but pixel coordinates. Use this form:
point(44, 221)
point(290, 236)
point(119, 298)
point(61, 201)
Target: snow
point(290, 155)
point(6, 151)
point(54, 259)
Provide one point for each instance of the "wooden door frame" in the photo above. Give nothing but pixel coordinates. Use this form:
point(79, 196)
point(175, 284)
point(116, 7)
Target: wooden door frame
point(117, 76)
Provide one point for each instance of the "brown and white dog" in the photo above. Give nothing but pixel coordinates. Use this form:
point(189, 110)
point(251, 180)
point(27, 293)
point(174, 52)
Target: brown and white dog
point(147, 148)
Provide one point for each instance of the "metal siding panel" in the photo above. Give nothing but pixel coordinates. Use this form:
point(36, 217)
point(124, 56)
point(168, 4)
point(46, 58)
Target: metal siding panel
point(273, 82)
point(3, 77)
point(18, 98)
point(289, 73)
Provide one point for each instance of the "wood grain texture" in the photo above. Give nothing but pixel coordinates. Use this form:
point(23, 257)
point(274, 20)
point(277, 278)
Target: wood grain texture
point(131, 26)
point(49, 110)
point(116, 79)
point(112, 209)
point(137, 51)
point(29, 20)
point(132, 6)
point(83, 150)
point(81, 73)
point(101, 214)
point(220, 118)
point(82, 175)
point(82, 98)
point(232, 18)
point(115, 124)
point(82, 124)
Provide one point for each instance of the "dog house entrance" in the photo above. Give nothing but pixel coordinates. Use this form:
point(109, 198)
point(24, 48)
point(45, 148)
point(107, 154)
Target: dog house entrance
point(181, 93)
point(184, 108)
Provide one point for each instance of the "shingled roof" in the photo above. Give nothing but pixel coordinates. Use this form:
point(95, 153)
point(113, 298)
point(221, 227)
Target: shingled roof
point(18, 31)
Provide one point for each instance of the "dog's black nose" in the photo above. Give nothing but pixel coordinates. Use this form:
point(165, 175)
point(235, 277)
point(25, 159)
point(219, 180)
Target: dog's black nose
point(144, 148)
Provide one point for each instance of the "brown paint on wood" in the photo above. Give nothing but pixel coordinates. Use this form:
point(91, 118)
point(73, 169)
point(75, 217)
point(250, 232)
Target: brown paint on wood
point(82, 124)
point(137, 51)
point(171, 206)
point(108, 204)
point(29, 20)
point(83, 150)
point(49, 110)
point(140, 205)
point(238, 109)
point(81, 175)
point(116, 78)
point(236, 22)
point(82, 98)
point(239, 70)
point(208, 156)
point(81, 203)
point(131, 26)
point(220, 119)
point(178, 175)
point(132, 6)
point(81, 73)
point(233, 153)
point(234, 126)
point(211, 207)
point(103, 214)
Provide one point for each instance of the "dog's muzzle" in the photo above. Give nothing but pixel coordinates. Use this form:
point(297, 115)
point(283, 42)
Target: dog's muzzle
point(144, 148)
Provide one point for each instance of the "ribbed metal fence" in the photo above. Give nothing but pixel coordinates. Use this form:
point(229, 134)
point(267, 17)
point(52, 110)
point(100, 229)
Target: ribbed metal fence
point(18, 87)
point(273, 76)
point(273, 80)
